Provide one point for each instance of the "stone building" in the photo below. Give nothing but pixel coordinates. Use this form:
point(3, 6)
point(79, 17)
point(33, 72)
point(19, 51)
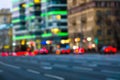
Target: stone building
point(95, 22)
point(5, 29)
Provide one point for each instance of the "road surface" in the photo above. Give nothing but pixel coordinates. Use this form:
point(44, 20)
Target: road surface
point(61, 67)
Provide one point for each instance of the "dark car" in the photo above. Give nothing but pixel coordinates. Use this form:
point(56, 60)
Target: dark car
point(108, 49)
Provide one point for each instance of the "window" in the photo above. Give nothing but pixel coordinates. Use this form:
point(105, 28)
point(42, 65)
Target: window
point(74, 23)
point(37, 33)
point(98, 4)
point(108, 4)
point(64, 30)
point(117, 13)
point(108, 12)
point(49, 17)
point(99, 17)
point(109, 32)
point(64, 16)
point(103, 4)
point(62, 24)
point(83, 18)
point(62, 8)
point(74, 2)
point(49, 24)
point(99, 32)
point(112, 4)
point(57, 1)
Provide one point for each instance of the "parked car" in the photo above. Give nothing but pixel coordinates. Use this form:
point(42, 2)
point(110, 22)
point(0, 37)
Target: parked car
point(58, 51)
point(108, 49)
point(36, 52)
point(31, 53)
point(79, 51)
point(63, 51)
point(13, 54)
point(43, 50)
point(22, 53)
point(4, 54)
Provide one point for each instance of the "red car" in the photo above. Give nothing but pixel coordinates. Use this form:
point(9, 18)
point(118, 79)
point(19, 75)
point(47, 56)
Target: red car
point(22, 53)
point(109, 49)
point(43, 50)
point(62, 51)
point(4, 54)
point(31, 54)
point(13, 54)
point(65, 51)
point(79, 51)
point(36, 52)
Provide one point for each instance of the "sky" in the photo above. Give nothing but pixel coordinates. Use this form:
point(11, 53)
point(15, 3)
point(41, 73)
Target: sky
point(5, 4)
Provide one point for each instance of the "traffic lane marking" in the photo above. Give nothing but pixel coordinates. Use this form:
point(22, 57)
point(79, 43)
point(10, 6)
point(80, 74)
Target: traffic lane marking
point(33, 71)
point(54, 76)
point(9, 65)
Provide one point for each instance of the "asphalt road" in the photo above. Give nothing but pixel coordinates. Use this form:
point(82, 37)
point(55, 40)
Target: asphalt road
point(61, 67)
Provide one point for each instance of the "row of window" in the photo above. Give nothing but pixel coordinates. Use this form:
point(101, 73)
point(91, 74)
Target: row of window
point(109, 32)
point(31, 33)
point(57, 8)
point(107, 4)
point(62, 30)
point(58, 24)
point(57, 1)
point(21, 28)
point(57, 17)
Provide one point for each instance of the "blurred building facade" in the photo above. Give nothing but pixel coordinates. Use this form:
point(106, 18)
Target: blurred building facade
point(42, 21)
point(54, 21)
point(5, 29)
point(26, 19)
point(94, 22)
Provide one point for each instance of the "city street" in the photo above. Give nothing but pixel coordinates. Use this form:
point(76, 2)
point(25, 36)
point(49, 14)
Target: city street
point(61, 67)
point(60, 40)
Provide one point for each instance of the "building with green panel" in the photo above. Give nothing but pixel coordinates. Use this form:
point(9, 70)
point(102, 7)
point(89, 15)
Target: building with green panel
point(40, 20)
point(54, 20)
point(26, 20)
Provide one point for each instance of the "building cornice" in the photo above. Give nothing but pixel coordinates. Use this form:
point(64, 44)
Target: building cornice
point(92, 4)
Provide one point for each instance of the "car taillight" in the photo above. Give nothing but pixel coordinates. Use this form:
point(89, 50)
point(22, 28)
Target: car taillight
point(36, 52)
point(47, 51)
point(5, 54)
point(114, 50)
point(68, 51)
point(14, 54)
point(57, 52)
point(62, 51)
point(77, 51)
point(82, 51)
point(107, 50)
